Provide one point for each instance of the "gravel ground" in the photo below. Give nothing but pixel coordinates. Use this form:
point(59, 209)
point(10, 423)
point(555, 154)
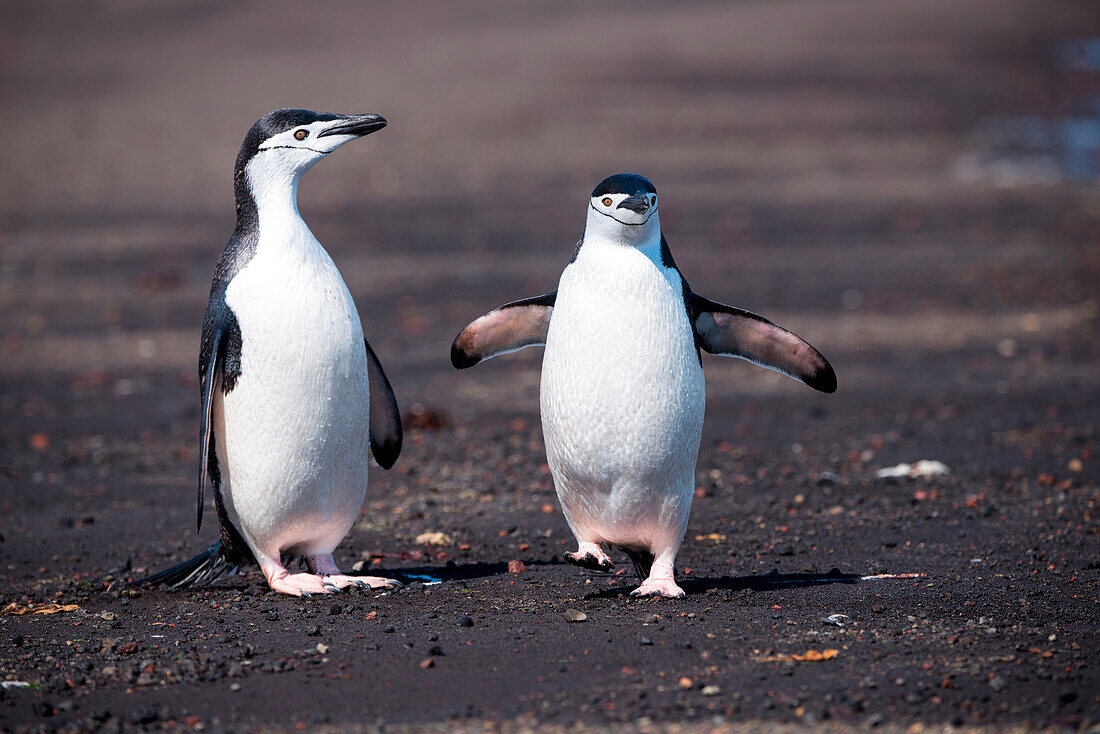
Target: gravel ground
point(865, 173)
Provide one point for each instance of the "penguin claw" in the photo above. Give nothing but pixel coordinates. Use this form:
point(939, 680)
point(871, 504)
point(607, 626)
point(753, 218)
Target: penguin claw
point(306, 594)
point(590, 561)
point(339, 583)
point(659, 587)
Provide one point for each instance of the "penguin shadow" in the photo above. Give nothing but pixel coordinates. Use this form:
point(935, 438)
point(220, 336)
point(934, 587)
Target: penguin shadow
point(771, 581)
point(450, 572)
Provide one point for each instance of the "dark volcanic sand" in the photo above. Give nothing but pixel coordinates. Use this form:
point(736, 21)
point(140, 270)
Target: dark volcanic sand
point(828, 164)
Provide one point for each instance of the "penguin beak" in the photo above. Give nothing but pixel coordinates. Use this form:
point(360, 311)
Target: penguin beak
point(358, 125)
point(638, 203)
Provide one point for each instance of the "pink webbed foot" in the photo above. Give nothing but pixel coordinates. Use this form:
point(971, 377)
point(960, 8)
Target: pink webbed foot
point(295, 584)
point(661, 581)
point(590, 556)
point(659, 587)
point(334, 581)
point(324, 579)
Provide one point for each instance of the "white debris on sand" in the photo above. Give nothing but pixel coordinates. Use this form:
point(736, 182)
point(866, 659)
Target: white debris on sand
point(923, 469)
point(433, 538)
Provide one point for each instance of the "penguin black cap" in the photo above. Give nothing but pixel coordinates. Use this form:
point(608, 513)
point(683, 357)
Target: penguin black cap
point(282, 120)
point(624, 183)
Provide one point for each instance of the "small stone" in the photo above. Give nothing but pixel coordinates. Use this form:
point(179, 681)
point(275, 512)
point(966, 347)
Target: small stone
point(878, 609)
point(272, 616)
point(839, 620)
point(516, 566)
point(322, 648)
point(435, 651)
point(686, 683)
point(645, 642)
point(144, 715)
point(466, 621)
point(335, 609)
point(427, 663)
point(711, 690)
point(434, 538)
point(358, 566)
point(574, 615)
point(997, 683)
point(388, 628)
point(235, 687)
point(314, 631)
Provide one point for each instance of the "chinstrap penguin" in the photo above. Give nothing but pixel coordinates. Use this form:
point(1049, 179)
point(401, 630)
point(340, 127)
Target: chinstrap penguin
point(622, 392)
point(293, 397)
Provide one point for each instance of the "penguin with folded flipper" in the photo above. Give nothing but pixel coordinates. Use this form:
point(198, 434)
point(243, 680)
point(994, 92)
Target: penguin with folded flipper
point(293, 398)
point(622, 393)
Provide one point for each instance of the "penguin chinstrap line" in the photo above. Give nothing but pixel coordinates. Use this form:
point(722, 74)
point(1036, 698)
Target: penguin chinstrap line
point(293, 397)
point(622, 393)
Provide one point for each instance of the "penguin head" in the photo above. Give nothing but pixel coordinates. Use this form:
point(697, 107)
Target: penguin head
point(624, 207)
point(286, 143)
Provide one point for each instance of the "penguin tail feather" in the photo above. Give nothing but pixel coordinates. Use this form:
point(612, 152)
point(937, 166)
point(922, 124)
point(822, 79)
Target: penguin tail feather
point(205, 568)
point(643, 562)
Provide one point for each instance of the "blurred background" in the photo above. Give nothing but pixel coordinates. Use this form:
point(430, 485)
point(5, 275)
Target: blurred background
point(911, 185)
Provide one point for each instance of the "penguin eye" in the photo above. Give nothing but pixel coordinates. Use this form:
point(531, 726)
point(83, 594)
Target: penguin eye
point(301, 134)
point(653, 201)
point(606, 201)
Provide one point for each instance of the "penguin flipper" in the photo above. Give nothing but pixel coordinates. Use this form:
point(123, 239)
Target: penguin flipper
point(733, 332)
point(385, 417)
point(210, 376)
point(507, 329)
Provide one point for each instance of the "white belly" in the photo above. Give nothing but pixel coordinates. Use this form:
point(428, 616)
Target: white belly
point(622, 400)
point(292, 436)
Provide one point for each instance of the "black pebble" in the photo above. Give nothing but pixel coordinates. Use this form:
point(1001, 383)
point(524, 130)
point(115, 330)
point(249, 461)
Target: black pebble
point(144, 715)
point(466, 621)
